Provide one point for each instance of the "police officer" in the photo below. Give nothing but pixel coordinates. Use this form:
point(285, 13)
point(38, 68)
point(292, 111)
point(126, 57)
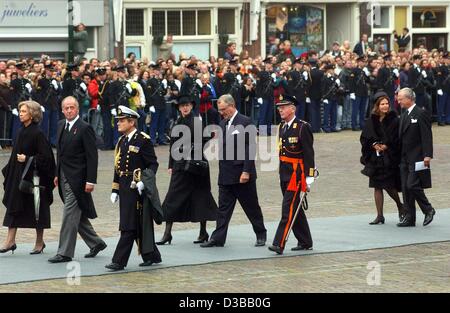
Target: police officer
point(359, 93)
point(21, 91)
point(443, 91)
point(265, 83)
point(104, 106)
point(48, 93)
point(296, 153)
point(134, 151)
point(155, 92)
point(298, 84)
point(386, 78)
point(191, 85)
point(315, 95)
point(330, 90)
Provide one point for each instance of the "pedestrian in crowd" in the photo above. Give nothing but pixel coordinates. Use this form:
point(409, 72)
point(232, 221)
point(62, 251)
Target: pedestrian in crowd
point(416, 141)
point(31, 161)
point(381, 155)
point(403, 40)
point(189, 197)
point(76, 176)
point(237, 174)
point(296, 154)
point(134, 158)
point(5, 111)
point(80, 42)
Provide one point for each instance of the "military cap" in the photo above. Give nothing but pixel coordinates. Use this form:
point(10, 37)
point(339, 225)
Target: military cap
point(72, 67)
point(192, 66)
point(21, 66)
point(125, 112)
point(329, 67)
point(120, 68)
point(417, 57)
point(100, 70)
point(286, 100)
point(360, 59)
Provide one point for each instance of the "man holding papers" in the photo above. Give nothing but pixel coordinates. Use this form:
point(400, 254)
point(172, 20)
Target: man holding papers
point(416, 142)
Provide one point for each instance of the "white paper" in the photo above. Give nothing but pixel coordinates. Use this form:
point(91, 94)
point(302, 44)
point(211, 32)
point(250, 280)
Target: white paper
point(420, 166)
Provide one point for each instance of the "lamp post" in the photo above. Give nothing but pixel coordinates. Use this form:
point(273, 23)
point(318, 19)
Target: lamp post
point(70, 30)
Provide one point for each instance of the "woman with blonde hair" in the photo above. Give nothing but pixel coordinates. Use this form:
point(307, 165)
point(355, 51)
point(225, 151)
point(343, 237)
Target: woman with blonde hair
point(31, 157)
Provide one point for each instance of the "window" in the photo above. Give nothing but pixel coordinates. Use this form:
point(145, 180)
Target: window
point(204, 22)
point(429, 17)
point(173, 23)
point(181, 22)
point(226, 21)
point(91, 37)
point(159, 23)
point(135, 22)
point(189, 23)
point(380, 17)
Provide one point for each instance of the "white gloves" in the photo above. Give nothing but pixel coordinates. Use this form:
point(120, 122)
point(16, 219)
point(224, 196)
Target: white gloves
point(99, 109)
point(140, 186)
point(308, 100)
point(152, 109)
point(15, 112)
point(128, 86)
point(274, 77)
point(260, 100)
point(305, 75)
point(328, 75)
point(42, 109)
point(164, 82)
point(396, 73)
point(113, 112)
point(424, 74)
point(199, 83)
point(114, 197)
point(28, 86)
point(440, 92)
point(338, 81)
point(55, 85)
point(83, 86)
point(325, 101)
point(239, 78)
point(366, 71)
point(353, 96)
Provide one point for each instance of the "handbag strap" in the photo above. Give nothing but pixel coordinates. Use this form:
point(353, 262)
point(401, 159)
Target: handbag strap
point(27, 167)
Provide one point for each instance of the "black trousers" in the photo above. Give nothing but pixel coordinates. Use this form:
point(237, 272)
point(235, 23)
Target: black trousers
point(412, 192)
point(247, 196)
point(300, 227)
point(125, 245)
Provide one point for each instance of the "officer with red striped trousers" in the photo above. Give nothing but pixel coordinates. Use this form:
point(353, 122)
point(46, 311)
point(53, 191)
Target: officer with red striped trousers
point(296, 153)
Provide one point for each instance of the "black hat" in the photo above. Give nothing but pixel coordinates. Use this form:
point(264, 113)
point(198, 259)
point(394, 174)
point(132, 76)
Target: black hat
point(329, 67)
point(120, 68)
point(192, 66)
point(72, 67)
point(125, 112)
point(49, 67)
point(182, 99)
point(233, 62)
point(286, 100)
point(100, 70)
point(379, 94)
point(21, 66)
point(417, 57)
point(268, 59)
point(154, 66)
point(360, 59)
point(299, 60)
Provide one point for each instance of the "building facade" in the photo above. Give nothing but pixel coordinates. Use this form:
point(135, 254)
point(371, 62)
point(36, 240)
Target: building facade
point(30, 28)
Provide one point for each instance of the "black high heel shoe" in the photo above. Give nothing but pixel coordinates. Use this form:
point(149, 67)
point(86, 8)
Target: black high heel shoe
point(164, 240)
point(12, 249)
point(378, 220)
point(38, 251)
point(202, 238)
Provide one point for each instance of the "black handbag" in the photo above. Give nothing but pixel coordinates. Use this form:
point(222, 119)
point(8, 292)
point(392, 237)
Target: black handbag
point(196, 167)
point(25, 185)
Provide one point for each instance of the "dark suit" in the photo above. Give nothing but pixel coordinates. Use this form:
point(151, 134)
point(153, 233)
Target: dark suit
point(77, 161)
point(231, 165)
point(315, 94)
point(416, 144)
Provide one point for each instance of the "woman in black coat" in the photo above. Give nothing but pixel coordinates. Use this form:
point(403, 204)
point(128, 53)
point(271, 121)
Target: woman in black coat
point(381, 154)
point(189, 197)
point(20, 207)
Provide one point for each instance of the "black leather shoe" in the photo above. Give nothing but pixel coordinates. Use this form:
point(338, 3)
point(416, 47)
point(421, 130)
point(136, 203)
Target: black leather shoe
point(429, 217)
point(301, 247)
point(149, 263)
point(377, 220)
point(202, 238)
point(59, 259)
point(276, 249)
point(211, 243)
point(261, 240)
point(406, 223)
point(94, 251)
point(12, 249)
point(165, 239)
point(115, 267)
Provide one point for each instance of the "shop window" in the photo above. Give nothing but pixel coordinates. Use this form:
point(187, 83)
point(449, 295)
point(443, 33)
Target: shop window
point(226, 21)
point(430, 41)
point(189, 23)
point(204, 22)
point(159, 23)
point(134, 22)
point(380, 17)
point(429, 17)
point(174, 23)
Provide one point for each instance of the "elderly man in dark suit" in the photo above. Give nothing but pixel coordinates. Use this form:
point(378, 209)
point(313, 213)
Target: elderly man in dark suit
point(76, 176)
point(416, 147)
point(237, 174)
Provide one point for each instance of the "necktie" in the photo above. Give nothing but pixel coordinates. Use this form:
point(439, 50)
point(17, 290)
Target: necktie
point(285, 128)
point(67, 127)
